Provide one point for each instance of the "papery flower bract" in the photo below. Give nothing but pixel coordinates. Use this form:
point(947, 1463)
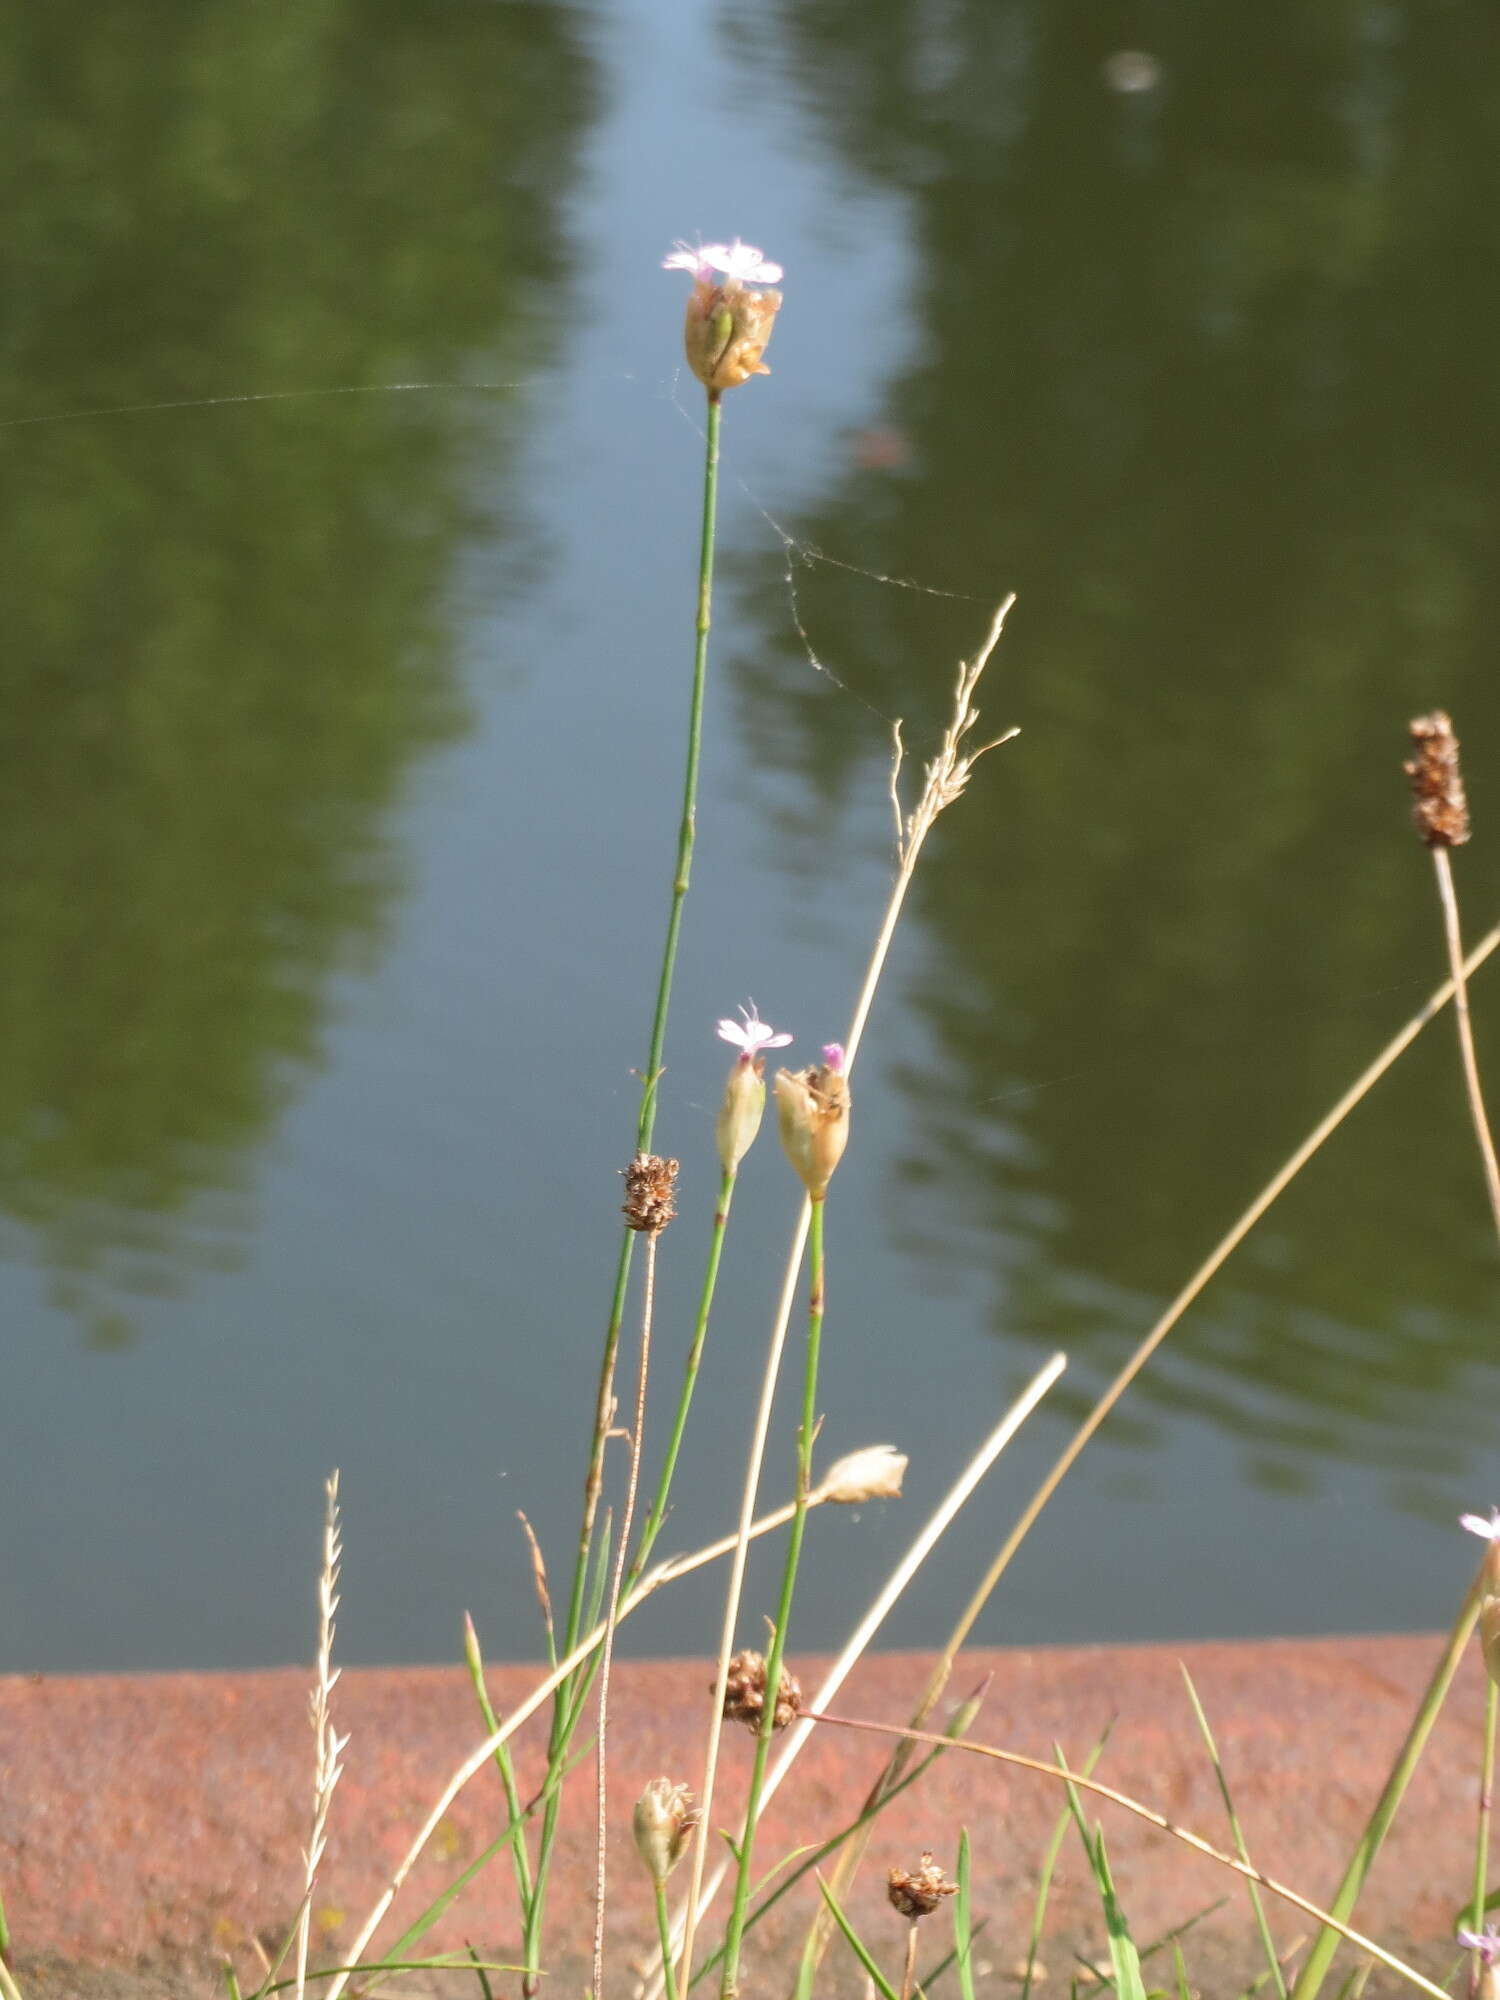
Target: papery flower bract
point(754, 1036)
point(665, 1816)
point(872, 1473)
point(744, 1101)
point(812, 1107)
point(728, 324)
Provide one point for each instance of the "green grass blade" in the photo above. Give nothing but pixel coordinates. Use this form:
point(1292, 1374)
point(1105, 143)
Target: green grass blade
point(1179, 1965)
point(1123, 1955)
point(1149, 1951)
point(1049, 1865)
point(450, 1961)
point(480, 1974)
point(231, 1982)
point(882, 1985)
point(963, 1930)
point(520, 1859)
point(1267, 1942)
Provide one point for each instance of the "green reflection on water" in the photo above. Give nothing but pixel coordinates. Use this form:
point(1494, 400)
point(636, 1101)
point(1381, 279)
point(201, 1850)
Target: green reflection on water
point(226, 633)
point(1206, 372)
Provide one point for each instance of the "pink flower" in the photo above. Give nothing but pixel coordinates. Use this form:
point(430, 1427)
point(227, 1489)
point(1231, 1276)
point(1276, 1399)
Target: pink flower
point(1479, 1524)
point(741, 263)
point(754, 1036)
point(833, 1057)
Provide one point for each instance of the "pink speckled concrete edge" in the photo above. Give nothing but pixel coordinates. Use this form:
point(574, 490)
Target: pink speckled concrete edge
point(151, 1825)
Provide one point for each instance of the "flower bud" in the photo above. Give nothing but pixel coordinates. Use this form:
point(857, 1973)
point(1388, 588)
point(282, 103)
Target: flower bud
point(665, 1816)
point(726, 332)
point(812, 1106)
point(874, 1473)
point(741, 1112)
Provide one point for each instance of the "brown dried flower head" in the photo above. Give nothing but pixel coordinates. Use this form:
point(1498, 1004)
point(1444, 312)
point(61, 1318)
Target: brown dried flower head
point(812, 1106)
point(665, 1816)
point(917, 1892)
point(745, 1692)
point(1441, 811)
point(649, 1184)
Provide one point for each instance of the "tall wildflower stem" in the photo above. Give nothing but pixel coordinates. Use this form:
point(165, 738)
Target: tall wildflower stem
point(565, 1707)
point(1453, 936)
point(658, 1514)
point(947, 776)
point(1486, 1810)
point(734, 1934)
point(606, 1654)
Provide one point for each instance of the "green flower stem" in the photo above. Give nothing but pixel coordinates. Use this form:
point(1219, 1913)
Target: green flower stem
point(664, 1932)
point(1315, 1969)
point(651, 1077)
point(658, 1514)
point(1486, 1805)
point(729, 1985)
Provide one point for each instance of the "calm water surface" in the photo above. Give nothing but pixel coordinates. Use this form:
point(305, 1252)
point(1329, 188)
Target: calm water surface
point(336, 796)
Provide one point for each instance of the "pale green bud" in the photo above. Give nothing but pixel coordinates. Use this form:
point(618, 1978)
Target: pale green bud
point(741, 1112)
point(665, 1816)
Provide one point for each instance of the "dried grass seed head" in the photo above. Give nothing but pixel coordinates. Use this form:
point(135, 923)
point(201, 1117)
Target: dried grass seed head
point(916, 1892)
point(745, 1692)
point(1441, 810)
point(650, 1182)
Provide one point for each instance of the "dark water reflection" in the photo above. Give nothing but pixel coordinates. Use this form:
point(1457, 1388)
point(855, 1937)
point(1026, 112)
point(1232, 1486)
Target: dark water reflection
point(335, 792)
point(1201, 371)
point(226, 642)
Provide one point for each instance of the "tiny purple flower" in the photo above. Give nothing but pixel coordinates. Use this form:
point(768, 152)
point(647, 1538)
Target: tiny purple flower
point(740, 262)
point(754, 1036)
point(685, 258)
point(1485, 1942)
point(833, 1057)
point(1479, 1524)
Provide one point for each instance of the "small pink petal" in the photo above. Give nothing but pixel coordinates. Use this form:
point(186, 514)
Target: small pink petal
point(833, 1057)
point(1479, 1524)
point(731, 1031)
point(777, 1041)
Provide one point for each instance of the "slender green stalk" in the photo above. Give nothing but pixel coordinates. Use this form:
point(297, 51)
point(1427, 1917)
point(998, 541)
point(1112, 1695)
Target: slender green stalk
point(729, 1985)
point(611, 1619)
point(658, 1514)
point(1315, 1970)
point(563, 1707)
point(664, 1932)
point(1486, 1804)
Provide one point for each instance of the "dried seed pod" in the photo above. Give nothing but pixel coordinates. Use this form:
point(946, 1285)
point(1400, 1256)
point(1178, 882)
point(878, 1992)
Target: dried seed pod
point(1441, 812)
point(745, 1692)
point(917, 1892)
point(649, 1184)
point(812, 1106)
point(873, 1473)
point(665, 1816)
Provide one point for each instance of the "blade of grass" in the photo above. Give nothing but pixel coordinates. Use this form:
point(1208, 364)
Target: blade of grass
point(230, 1982)
point(1157, 1945)
point(1268, 1943)
point(479, 1973)
point(963, 1929)
point(448, 1961)
point(1313, 1973)
point(520, 1860)
point(1049, 1864)
point(1122, 1952)
point(882, 1985)
point(1179, 1966)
